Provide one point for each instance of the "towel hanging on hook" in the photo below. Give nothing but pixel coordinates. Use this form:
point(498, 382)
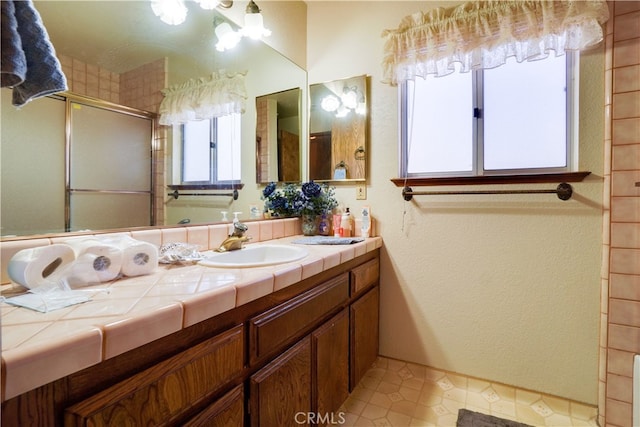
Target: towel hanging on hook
point(340, 171)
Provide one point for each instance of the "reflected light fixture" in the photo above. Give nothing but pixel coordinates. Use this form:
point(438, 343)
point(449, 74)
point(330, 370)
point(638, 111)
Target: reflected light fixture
point(212, 4)
point(172, 12)
point(350, 100)
point(254, 23)
point(343, 111)
point(227, 38)
point(330, 103)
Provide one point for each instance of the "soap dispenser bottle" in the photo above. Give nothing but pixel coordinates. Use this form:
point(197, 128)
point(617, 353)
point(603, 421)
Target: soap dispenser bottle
point(345, 224)
point(232, 226)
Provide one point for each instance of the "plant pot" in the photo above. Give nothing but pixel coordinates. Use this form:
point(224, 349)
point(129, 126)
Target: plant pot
point(309, 225)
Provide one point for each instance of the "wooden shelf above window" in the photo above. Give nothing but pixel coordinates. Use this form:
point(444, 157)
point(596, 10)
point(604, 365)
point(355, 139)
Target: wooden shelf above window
point(492, 179)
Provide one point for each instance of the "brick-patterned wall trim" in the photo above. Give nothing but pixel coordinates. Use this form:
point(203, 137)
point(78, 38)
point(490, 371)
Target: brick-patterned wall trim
point(620, 308)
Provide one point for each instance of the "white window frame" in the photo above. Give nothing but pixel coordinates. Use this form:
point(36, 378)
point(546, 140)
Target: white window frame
point(478, 170)
point(214, 172)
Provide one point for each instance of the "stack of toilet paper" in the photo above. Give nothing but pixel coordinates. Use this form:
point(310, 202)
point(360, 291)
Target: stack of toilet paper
point(83, 261)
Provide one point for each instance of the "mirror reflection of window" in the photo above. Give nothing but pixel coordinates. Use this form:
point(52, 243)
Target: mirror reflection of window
point(211, 150)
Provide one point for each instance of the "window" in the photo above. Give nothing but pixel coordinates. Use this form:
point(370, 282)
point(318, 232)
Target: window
point(211, 151)
point(514, 119)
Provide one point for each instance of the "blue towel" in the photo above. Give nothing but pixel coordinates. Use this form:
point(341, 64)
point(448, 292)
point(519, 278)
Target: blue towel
point(28, 61)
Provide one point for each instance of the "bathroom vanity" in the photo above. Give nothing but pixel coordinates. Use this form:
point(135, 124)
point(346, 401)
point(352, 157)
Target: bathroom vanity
point(270, 361)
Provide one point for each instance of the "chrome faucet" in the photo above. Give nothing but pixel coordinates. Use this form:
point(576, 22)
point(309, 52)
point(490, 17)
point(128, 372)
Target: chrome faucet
point(236, 239)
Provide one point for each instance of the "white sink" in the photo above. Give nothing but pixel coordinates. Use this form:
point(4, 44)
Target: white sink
point(255, 256)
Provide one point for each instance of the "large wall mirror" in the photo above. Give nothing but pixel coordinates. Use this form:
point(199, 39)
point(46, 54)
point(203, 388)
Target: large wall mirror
point(338, 124)
point(117, 37)
point(278, 137)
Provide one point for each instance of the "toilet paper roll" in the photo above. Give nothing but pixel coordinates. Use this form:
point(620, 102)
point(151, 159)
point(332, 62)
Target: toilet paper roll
point(139, 257)
point(81, 272)
point(33, 267)
point(104, 259)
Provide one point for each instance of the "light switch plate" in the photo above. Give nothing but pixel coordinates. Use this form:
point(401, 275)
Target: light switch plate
point(361, 191)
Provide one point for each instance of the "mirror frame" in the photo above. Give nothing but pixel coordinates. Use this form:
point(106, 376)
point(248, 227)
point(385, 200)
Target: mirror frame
point(360, 147)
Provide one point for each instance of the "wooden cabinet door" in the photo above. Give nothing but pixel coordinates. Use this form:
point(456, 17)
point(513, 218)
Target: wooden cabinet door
point(228, 411)
point(282, 389)
point(330, 367)
point(364, 334)
point(162, 394)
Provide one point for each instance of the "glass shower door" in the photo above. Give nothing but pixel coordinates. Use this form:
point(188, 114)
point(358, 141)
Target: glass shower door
point(110, 158)
point(32, 170)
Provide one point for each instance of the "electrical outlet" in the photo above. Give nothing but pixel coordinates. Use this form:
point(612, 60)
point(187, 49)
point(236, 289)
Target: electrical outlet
point(361, 192)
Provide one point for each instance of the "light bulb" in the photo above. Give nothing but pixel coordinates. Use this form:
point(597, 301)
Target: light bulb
point(330, 103)
point(349, 98)
point(172, 12)
point(227, 38)
point(208, 4)
point(254, 26)
point(343, 111)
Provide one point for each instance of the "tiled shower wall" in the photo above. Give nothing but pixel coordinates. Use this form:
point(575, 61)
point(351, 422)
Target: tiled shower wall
point(139, 88)
point(620, 332)
point(90, 80)
point(262, 132)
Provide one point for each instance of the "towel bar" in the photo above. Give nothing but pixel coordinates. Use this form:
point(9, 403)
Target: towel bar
point(177, 194)
point(564, 191)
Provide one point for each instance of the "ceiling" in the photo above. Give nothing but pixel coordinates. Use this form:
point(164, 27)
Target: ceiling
point(122, 35)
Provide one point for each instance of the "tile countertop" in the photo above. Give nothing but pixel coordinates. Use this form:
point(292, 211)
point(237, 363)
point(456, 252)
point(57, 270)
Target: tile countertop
point(132, 311)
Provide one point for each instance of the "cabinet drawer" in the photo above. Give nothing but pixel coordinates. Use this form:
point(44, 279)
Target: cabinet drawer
point(272, 330)
point(161, 394)
point(365, 275)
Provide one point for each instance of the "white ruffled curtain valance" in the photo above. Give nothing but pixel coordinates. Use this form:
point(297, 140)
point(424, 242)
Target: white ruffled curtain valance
point(204, 98)
point(483, 34)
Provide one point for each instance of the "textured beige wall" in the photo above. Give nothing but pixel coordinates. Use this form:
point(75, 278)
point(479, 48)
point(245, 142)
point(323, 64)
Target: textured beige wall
point(504, 288)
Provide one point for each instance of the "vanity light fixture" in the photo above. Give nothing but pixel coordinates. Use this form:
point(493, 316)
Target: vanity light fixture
point(253, 23)
point(172, 12)
point(227, 37)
